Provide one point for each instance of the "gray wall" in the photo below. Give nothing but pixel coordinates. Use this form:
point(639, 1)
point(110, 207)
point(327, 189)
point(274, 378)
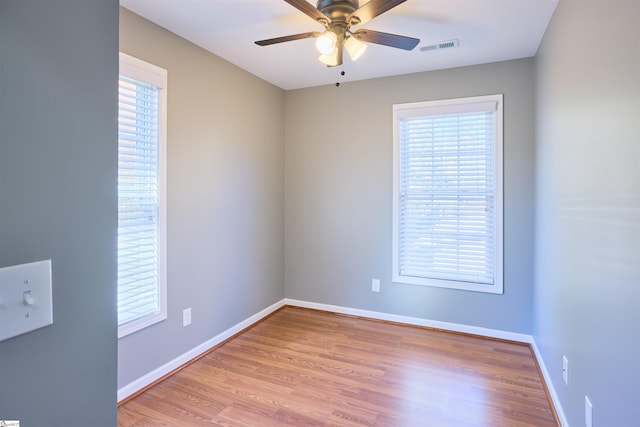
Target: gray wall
point(225, 196)
point(227, 201)
point(587, 299)
point(339, 195)
point(58, 163)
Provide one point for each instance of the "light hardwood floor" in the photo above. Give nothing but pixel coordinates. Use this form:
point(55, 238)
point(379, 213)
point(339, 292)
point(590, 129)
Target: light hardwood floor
point(302, 367)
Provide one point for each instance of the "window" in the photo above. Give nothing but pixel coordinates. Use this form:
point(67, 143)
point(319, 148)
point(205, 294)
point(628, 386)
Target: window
point(141, 195)
point(447, 193)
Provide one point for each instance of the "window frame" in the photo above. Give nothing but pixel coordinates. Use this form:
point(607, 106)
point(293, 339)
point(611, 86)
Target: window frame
point(143, 71)
point(439, 107)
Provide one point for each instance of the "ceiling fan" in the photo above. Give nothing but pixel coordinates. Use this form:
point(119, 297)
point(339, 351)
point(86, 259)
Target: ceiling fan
point(337, 17)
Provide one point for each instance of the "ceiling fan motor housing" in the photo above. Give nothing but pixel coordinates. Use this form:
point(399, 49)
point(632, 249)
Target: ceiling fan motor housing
point(337, 9)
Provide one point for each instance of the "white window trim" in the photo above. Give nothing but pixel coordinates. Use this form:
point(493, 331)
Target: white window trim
point(443, 107)
point(149, 73)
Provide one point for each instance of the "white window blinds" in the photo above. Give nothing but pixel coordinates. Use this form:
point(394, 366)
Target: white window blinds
point(448, 196)
point(140, 231)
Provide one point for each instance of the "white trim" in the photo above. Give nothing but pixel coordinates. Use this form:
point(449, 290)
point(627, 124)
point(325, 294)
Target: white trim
point(447, 326)
point(486, 103)
point(547, 379)
point(471, 104)
point(138, 69)
point(145, 380)
point(163, 370)
point(456, 327)
point(142, 70)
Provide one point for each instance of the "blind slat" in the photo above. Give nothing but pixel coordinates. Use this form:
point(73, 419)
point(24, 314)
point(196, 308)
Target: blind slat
point(138, 251)
point(446, 195)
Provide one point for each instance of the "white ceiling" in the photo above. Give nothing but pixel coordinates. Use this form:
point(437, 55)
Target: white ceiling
point(487, 30)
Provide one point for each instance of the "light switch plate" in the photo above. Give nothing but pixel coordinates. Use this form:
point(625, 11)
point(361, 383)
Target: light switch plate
point(25, 298)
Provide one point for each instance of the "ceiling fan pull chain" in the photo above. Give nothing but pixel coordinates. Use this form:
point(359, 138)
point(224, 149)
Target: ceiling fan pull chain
point(342, 73)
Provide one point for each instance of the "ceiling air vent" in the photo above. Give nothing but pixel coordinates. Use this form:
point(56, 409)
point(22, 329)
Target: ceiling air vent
point(428, 48)
point(443, 45)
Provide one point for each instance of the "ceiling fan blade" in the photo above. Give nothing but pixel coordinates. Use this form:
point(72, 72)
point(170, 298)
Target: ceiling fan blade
point(308, 9)
point(287, 38)
point(372, 9)
point(392, 40)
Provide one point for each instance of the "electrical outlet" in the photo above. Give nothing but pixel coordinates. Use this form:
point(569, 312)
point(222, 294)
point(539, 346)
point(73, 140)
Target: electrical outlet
point(565, 370)
point(588, 412)
point(186, 317)
point(375, 285)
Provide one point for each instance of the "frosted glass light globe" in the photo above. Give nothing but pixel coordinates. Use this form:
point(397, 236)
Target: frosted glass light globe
point(326, 42)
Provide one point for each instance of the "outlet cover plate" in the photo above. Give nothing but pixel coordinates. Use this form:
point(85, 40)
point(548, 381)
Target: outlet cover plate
point(588, 412)
point(186, 317)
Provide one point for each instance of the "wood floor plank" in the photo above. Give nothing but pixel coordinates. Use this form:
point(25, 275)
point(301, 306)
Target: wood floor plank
point(303, 367)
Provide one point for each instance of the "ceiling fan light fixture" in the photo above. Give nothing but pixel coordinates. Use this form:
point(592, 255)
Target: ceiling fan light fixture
point(337, 17)
point(355, 47)
point(326, 42)
point(330, 59)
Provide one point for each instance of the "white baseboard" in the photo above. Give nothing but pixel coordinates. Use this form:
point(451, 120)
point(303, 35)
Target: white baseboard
point(456, 327)
point(163, 370)
point(552, 390)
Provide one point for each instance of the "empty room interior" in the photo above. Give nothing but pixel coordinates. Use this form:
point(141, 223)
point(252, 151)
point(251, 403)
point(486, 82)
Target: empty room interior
point(286, 191)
